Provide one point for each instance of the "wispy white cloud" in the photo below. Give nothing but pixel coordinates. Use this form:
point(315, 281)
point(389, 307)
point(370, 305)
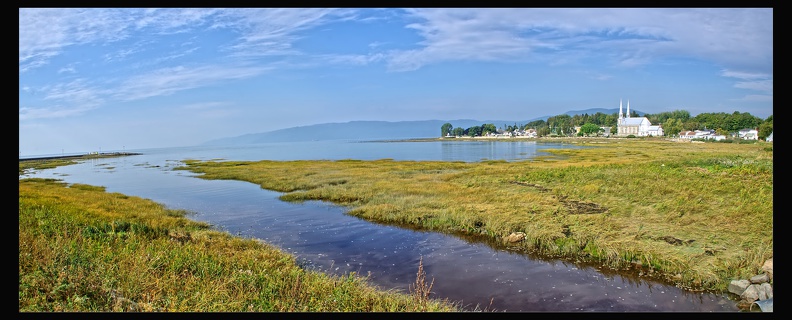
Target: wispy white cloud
point(68, 69)
point(176, 55)
point(57, 111)
point(759, 85)
point(44, 33)
point(78, 96)
point(739, 40)
point(169, 20)
point(761, 82)
point(167, 81)
point(744, 75)
point(630, 37)
point(267, 32)
point(351, 59)
point(76, 92)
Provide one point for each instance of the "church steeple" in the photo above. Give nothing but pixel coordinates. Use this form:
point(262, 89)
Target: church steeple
point(621, 115)
point(628, 108)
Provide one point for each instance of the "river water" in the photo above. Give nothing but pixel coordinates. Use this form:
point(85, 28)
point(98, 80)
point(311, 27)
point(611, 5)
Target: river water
point(474, 274)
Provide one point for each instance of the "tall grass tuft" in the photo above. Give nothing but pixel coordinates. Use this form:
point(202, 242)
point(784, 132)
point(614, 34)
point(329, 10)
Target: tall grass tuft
point(420, 290)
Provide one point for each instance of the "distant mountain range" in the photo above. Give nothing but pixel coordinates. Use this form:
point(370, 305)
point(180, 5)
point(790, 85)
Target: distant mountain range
point(375, 130)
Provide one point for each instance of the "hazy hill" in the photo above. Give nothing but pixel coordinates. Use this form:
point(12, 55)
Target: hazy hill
point(355, 130)
point(375, 130)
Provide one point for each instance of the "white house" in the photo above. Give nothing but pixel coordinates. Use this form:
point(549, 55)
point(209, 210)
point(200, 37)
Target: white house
point(748, 134)
point(689, 135)
point(707, 134)
point(656, 131)
point(635, 126)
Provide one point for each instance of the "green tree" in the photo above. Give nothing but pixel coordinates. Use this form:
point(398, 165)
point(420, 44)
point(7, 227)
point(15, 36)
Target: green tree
point(488, 127)
point(473, 131)
point(590, 128)
point(458, 132)
point(535, 124)
point(543, 131)
point(672, 127)
point(766, 128)
point(445, 129)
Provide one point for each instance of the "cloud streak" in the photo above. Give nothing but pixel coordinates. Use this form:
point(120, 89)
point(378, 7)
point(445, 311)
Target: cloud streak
point(167, 81)
point(735, 38)
point(268, 32)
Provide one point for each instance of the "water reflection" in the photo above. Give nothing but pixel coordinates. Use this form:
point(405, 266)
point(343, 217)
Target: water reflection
point(488, 150)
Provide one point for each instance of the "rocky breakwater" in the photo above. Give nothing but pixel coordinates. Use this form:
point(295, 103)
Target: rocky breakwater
point(757, 291)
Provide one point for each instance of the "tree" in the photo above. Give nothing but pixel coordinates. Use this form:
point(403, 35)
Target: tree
point(473, 131)
point(765, 129)
point(543, 131)
point(445, 129)
point(535, 124)
point(672, 126)
point(458, 132)
point(488, 127)
point(590, 128)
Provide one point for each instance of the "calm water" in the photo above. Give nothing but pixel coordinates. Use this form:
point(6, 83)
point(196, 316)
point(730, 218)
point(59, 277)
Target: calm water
point(323, 237)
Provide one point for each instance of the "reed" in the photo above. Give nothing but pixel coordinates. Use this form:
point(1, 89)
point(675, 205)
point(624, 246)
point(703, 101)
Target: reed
point(82, 249)
point(695, 214)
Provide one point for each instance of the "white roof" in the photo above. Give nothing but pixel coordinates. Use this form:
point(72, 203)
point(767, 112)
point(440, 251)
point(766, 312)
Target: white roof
point(634, 121)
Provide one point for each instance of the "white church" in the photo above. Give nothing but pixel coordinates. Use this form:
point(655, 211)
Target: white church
point(639, 127)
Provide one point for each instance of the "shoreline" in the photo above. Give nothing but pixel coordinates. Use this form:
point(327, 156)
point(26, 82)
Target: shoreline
point(78, 156)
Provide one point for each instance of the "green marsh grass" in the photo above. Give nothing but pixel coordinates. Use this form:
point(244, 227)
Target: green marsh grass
point(82, 249)
point(694, 214)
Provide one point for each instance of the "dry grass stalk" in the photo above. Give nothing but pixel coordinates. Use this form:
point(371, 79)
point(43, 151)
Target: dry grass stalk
point(420, 290)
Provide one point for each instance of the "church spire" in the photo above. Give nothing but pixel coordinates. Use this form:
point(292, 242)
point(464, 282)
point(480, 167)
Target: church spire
point(628, 108)
point(621, 115)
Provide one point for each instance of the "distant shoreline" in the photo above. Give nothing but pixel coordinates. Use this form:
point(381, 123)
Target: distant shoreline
point(87, 156)
point(537, 139)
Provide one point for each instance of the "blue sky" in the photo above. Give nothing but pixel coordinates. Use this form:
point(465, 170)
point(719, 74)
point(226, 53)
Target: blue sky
point(136, 78)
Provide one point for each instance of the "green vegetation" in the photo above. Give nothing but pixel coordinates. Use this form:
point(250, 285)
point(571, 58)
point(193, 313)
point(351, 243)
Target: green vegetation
point(696, 215)
point(24, 166)
point(82, 249)
point(38, 164)
point(673, 122)
point(589, 129)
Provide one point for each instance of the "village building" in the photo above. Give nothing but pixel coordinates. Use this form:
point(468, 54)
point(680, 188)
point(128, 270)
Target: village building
point(687, 135)
point(748, 134)
point(639, 126)
point(706, 134)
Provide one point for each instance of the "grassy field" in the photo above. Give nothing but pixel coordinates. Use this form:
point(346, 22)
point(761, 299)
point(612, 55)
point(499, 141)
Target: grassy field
point(693, 214)
point(82, 249)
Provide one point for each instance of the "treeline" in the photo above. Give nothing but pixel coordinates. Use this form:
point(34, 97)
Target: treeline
point(673, 123)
